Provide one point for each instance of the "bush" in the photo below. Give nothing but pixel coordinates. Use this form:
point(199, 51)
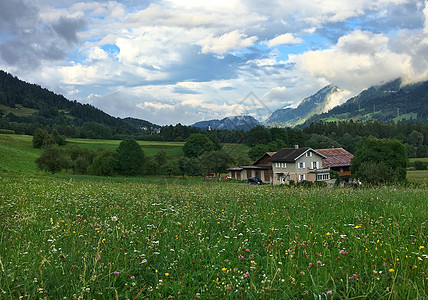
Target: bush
point(53, 159)
point(104, 164)
point(420, 165)
point(130, 158)
point(380, 161)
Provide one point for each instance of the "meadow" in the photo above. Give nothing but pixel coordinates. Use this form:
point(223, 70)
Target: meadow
point(93, 239)
point(17, 154)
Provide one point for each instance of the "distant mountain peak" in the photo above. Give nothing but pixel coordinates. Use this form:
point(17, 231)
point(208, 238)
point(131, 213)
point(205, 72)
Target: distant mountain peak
point(230, 123)
point(322, 101)
point(391, 101)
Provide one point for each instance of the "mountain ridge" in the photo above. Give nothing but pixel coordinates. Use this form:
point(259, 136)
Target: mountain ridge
point(230, 123)
point(389, 102)
point(309, 106)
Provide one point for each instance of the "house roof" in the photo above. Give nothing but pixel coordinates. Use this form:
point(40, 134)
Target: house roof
point(336, 157)
point(292, 154)
point(268, 154)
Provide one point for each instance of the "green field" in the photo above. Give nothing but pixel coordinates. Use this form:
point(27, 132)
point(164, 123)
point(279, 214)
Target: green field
point(17, 154)
point(92, 237)
point(150, 148)
point(423, 159)
point(18, 111)
point(62, 238)
point(420, 177)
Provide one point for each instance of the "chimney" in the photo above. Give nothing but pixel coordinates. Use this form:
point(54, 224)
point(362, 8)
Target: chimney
point(296, 146)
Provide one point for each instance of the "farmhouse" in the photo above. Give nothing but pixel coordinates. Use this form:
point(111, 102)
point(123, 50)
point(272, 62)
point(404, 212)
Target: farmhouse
point(298, 164)
point(261, 169)
point(339, 160)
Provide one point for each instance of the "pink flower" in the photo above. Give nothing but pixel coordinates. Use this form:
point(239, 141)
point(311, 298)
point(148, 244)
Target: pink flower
point(311, 265)
point(132, 277)
point(115, 272)
point(241, 256)
point(329, 293)
point(246, 275)
point(248, 250)
point(344, 252)
point(319, 262)
point(229, 287)
point(354, 276)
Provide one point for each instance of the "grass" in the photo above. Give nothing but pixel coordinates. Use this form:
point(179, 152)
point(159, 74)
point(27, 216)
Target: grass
point(17, 154)
point(423, 159)
point(150, 148)
point(62, 238)
point(20, 110)
point(420, 177)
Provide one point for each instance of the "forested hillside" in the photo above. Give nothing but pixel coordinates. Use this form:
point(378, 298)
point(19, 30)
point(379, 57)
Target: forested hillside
point(25, 107)
point(389, 102)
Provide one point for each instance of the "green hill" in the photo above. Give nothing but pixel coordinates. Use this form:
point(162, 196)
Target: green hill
point(17, 154)
point(389, 102)
point(25, 106)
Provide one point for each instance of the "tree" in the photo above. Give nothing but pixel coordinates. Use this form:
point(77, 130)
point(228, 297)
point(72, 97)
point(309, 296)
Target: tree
point(130, 157)
point(81, 158)
point(215, 162)
point(257, 151)
point(189, 166)
point(160, 158)
point(52, 159)
point(380, 161)
point(41, 138)
point(170, 168)
point(196, 144)
point(104, 164)
point(258, 135)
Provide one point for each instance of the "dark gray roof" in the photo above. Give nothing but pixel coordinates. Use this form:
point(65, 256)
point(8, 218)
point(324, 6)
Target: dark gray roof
point(288, 154)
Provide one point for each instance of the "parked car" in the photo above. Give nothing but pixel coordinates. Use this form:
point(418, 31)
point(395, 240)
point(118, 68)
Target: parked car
point(254, 180)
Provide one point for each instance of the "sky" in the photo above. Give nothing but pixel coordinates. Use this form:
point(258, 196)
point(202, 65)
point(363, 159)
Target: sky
point(183, 61)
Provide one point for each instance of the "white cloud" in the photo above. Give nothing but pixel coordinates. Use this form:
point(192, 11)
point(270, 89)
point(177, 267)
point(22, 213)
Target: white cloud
point(204, 47)
point(359, 60)
point(226, 42)
point(286, 38)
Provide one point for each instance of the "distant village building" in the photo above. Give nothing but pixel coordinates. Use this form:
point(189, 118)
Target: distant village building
point(261, 169)
point(339, 160)
point(296, 164)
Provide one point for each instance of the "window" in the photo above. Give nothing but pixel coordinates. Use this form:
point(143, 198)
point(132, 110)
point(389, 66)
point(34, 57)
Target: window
point(283, 165)
point(301, 165)
point(315, 165)
point(309, 154)
point(302, 177)
point(280, 165)
point(321, 177)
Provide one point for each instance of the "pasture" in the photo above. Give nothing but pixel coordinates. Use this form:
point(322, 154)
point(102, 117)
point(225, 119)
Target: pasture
point(86, 239)
point(17, 154)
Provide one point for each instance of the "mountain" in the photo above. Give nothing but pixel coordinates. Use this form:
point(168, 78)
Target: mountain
point(390, 102)
point(25, 106)
point(142, 124)
point(315, 104)
point(231, 123)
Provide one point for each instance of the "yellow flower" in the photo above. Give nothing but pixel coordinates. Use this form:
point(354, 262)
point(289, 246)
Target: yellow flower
point(156, 271)
point(103, 240)
point(358, 226)
point(421, 247)
point(391, 270)
point(328, 233)
point(166, 274)
point(415, 266)
point(224, 269)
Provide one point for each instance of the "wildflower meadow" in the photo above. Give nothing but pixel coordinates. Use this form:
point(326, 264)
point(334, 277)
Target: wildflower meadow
point(67, 239)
